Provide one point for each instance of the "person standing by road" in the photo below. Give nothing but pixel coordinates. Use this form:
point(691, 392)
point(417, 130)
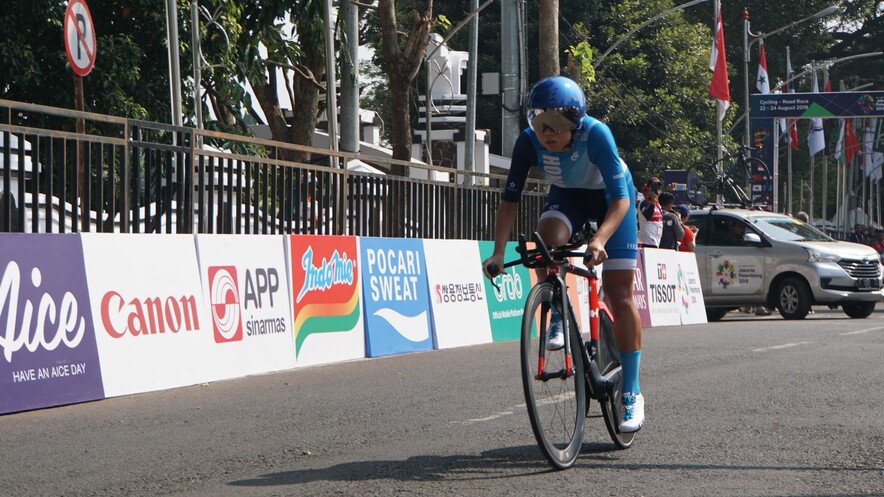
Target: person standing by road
point(673, 231)
point(577, 153)
point(650, 215)
point(687, 242)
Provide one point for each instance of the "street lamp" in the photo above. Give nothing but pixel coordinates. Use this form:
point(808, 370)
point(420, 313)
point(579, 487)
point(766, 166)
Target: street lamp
point(826, 63)
point(749, 38)
point(642, 25)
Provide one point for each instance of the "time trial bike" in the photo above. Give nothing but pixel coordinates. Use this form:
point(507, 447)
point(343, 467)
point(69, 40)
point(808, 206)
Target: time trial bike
point(557, 383)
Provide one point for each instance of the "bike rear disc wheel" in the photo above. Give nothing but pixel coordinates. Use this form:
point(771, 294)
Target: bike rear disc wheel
point(608, 360)
point(556, 406)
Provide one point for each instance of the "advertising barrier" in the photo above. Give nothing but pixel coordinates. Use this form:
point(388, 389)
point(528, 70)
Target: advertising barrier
point(506, 306)
point(397, 303)
point(246, 294)
point(49, 355)
point(153, 329)
point(88, 316)
point(326, 299)
point(457, 293)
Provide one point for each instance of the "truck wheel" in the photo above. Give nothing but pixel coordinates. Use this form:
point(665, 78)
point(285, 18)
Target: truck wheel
point(793, 298)
point(858, 310)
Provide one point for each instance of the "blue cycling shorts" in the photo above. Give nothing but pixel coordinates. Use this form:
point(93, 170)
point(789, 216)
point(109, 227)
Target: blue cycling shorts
point(576, 206)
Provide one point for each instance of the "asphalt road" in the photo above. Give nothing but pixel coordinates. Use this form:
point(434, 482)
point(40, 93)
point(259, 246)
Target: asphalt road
point(747, 406)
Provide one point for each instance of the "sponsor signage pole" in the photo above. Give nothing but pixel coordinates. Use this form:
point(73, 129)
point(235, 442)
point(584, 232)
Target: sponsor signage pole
point(81, 47)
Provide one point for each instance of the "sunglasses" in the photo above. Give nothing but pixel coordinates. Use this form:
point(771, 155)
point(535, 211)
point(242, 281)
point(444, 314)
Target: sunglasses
point(560, 120)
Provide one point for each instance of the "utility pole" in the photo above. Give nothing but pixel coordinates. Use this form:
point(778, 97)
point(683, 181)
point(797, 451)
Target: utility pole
point(350, 80)
point(472, 67)
point(510, 70)
point(548, 39)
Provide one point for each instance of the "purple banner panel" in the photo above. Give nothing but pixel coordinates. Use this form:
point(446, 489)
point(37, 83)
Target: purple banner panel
point(48, 353)
point(640, 291)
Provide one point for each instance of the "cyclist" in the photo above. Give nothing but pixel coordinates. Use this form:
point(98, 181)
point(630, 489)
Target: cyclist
point(578, 155)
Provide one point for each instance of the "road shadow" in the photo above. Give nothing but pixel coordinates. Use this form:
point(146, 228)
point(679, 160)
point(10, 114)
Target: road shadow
point(508, 462)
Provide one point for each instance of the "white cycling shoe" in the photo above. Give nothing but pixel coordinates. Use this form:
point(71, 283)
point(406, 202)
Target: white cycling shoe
point(555, 334)
point(633, 413)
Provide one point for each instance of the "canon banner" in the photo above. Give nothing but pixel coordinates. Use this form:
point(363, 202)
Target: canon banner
point(49, 355)
point(153, 330)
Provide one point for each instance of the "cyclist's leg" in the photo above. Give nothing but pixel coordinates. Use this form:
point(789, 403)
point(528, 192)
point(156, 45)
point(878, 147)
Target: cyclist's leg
point(560, 214)
point(618, 278)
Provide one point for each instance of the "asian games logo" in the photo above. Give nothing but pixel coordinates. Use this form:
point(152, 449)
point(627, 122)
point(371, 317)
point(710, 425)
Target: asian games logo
point(224, 297)
point(682, 283)
point(725, 272)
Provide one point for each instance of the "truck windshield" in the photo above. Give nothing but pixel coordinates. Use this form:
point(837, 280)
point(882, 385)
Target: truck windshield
point(788, 229)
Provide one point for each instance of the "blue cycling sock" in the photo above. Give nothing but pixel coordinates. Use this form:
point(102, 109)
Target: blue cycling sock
point(630, 363)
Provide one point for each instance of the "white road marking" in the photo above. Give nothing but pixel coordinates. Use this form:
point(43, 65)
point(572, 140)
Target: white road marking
point(860, 332)
point(778, 347)
point(492, 417)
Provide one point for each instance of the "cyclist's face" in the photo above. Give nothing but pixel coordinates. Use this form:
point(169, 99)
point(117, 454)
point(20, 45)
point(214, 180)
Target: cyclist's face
point(555, 141)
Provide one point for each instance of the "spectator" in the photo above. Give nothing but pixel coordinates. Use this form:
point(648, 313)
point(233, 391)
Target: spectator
point(878, 244)
point(802, 216)
point(687, 242)
point(650, 216)
point(858, 235)
point(673, 231)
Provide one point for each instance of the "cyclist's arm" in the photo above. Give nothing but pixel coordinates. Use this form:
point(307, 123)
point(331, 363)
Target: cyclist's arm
point(506, 216)
point(524, 156)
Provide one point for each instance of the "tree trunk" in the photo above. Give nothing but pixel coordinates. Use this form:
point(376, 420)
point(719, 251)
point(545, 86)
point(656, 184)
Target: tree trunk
point(548, 39)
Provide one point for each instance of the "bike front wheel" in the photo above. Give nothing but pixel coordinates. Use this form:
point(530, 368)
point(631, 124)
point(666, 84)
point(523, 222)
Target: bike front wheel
point(557, 401)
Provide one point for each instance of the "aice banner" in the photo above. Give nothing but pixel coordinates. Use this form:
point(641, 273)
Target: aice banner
point(48, 354)
point(506, 305)
point(147, 304)
point(457, 293)
point(246, 294)
point(640, 290)
point(397, 304)
point(326, 290)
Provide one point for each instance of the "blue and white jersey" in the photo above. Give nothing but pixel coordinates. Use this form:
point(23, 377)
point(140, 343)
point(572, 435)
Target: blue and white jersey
point(592, 162)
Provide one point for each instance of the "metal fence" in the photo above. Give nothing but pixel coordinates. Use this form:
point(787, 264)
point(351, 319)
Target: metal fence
point(67, 171)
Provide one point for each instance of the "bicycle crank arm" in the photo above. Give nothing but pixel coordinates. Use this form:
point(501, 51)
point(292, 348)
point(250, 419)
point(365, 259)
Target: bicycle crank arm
point(602, 387)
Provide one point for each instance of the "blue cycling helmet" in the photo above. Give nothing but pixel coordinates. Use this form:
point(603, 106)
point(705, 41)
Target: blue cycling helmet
point(560, 94)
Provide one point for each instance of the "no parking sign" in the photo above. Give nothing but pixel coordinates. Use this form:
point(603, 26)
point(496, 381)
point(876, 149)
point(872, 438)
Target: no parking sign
point(79, 37)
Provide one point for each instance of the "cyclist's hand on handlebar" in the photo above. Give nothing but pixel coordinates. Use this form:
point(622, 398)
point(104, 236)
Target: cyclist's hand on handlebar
point(595, 253)
point(492, 266)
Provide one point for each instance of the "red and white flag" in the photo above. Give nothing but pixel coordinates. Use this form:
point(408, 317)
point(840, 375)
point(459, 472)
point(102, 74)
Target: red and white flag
point(762, 82)
point(718, 87)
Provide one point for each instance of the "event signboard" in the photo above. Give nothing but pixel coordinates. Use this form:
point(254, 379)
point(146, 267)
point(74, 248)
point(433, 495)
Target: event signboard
point(397, 303)
point(48, 354)
point(326, 299)
point(506, 305)
point(246, 294)
point(153, 330)
point(457, 293)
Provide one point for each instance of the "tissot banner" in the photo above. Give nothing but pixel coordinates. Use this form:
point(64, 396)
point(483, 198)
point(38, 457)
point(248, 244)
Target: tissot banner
point(48, 354)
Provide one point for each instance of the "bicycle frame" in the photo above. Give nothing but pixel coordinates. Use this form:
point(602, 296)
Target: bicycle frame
point(598, 387)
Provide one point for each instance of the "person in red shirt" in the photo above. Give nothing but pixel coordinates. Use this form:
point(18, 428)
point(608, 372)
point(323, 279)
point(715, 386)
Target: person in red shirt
point(687, 243)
